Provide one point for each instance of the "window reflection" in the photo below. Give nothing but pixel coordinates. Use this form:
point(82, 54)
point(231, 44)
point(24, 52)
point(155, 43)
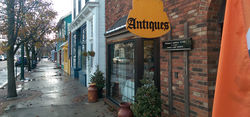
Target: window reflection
point(149, 66)
point(122, 72)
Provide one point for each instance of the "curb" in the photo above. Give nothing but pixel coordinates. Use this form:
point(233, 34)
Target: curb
point(4, 84)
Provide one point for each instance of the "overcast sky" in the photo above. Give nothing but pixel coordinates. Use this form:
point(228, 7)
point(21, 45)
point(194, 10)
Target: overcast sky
point(248, 38)
point(62, 7)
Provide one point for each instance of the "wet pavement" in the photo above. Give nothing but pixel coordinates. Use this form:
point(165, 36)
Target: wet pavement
point(57, 95)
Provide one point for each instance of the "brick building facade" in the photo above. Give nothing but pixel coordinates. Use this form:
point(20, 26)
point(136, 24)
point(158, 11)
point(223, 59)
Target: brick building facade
point(204, 21)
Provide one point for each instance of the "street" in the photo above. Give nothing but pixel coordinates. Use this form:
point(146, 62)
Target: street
point(3, 65)
point(54, 95)
point(3, 73)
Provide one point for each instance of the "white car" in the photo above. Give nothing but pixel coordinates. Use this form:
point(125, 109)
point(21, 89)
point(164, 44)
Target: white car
point(2, 58)
point(120, 60)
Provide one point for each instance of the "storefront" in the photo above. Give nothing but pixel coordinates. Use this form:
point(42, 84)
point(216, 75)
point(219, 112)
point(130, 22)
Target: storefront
point(66, 59)
point(78, 59)
point(186, 76)
point(87, 30)
point(129, 58)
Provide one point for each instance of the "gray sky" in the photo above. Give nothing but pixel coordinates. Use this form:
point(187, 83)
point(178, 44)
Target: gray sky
point(62, 7)
point(248, 38)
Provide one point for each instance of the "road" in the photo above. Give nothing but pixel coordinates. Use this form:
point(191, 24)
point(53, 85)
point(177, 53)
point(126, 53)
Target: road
point(3, 73)
point(3, 65)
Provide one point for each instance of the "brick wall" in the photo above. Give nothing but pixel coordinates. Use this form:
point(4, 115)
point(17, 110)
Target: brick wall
point(214, 41)
point(116, 9)
point(205, 32)
point(202, 16)
point(179, 12)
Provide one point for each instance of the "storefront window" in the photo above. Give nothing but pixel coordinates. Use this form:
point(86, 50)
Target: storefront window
point(74, 50)
point(84, 49)
point(149, 64)
point(79, 56)
point(122, 75)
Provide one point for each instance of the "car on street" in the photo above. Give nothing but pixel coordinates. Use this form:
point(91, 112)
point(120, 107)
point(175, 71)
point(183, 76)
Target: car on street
point(19, 62)
point(5, 57)
point(2, 58)
point(44, 57)
point(120, 60)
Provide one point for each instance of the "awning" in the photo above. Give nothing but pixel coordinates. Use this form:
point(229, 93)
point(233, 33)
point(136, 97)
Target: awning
point(64, 46)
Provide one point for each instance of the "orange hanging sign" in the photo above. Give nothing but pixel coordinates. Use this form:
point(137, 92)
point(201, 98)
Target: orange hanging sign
point(148, 19)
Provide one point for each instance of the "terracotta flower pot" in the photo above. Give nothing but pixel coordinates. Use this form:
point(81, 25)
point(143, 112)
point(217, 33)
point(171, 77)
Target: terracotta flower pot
point(124, 110)
point(92, 93)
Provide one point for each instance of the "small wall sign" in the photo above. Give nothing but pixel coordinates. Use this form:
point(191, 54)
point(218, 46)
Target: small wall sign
point(177, 45)
point(148, 19)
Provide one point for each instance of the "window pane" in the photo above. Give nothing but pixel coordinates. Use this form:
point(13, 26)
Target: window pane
point(122, 72)
point(149, 67)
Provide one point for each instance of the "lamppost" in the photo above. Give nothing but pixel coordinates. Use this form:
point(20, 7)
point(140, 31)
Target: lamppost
point(22, 59)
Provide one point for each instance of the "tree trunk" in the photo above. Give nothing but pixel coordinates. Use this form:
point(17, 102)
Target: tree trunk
point(28, 56)
point(10, 52)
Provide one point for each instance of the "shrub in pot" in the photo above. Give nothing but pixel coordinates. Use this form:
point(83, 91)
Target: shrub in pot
point(85, 53)
point(98, 79)
point(147, 100)
point(91, 53)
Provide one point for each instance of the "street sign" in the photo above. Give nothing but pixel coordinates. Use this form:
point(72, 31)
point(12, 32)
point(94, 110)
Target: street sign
point(177, 45)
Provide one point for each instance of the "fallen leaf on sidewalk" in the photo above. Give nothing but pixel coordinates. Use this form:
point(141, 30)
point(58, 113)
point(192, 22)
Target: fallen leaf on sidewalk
point(78, 99)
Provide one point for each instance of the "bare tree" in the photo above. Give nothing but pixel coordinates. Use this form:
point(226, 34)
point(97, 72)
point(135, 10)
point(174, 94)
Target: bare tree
point(17, 12)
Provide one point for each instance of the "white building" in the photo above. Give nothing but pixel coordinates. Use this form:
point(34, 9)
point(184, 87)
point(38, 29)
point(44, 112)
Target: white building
point(3, 38)
point(87, 29)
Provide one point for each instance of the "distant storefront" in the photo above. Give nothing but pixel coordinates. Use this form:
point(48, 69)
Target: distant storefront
point(182, 63)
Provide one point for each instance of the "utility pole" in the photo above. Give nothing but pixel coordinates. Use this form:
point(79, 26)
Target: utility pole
point(22, 59)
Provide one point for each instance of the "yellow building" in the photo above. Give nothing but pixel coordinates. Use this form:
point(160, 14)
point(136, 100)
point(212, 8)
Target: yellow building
point(66, 59)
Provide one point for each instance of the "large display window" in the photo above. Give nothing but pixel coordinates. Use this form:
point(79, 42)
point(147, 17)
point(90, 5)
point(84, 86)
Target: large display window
point(128, 62)
point(122, 72)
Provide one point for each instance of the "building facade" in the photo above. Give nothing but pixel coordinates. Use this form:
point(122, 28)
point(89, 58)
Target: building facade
point(62, 38)
point(186, 79)
point(87, 32)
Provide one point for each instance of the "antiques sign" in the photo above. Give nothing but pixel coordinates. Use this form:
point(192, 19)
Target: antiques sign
point(148, 19)
point(177, 45)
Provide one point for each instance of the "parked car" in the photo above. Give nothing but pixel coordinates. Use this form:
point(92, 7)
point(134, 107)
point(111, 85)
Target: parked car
point(19, 61)
point(5, 57)
point(2, 58)
point(44, 57)
point(120, 60)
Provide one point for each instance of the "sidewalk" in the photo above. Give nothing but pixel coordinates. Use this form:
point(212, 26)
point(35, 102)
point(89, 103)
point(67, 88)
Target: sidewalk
point(50, 93)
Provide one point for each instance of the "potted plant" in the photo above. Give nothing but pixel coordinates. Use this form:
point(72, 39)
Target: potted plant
point(147, 100)
point(91, 53)
point(98, 79)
